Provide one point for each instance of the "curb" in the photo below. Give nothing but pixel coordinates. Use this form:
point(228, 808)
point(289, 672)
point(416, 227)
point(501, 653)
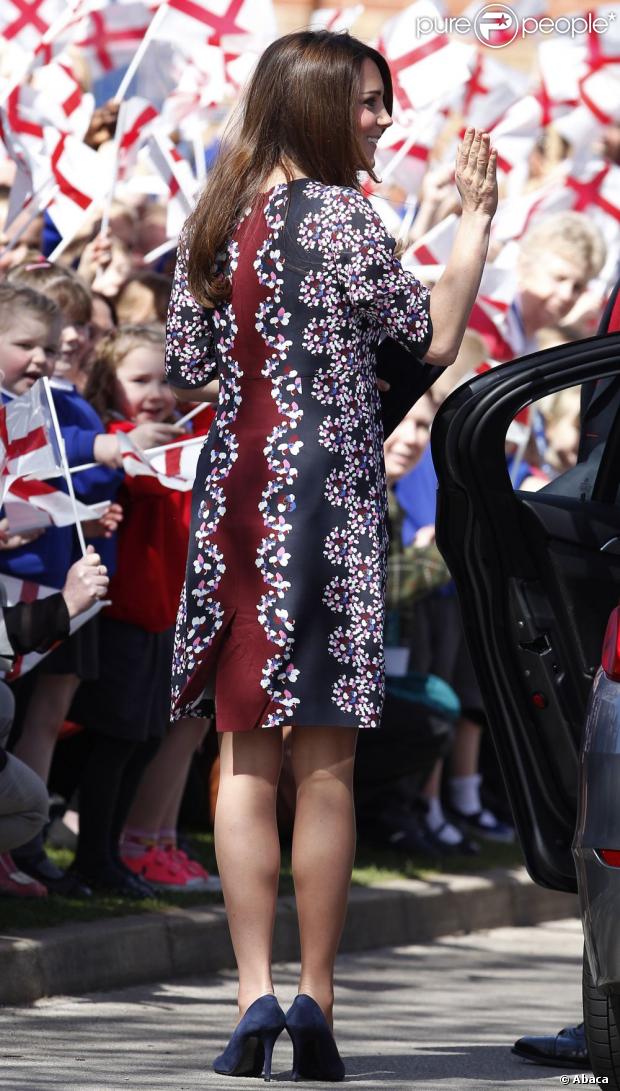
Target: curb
point(77, 958)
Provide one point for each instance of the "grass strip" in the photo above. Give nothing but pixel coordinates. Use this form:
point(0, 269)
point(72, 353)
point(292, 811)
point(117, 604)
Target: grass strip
point(373, 866)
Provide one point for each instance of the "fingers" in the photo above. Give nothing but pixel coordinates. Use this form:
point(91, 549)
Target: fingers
point(483, 152)
point(474, 149)
point(465, 145)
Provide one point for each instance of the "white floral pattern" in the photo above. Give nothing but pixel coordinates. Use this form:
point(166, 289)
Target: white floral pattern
point(326, 287)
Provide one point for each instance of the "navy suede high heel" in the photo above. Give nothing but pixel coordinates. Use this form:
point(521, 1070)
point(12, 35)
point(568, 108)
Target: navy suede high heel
point(250, 1048)
point(315, 1053)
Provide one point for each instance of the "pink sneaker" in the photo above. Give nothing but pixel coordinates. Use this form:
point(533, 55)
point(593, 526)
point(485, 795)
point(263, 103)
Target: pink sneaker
point(194, 870)
point(159, 870)
point(16, 883)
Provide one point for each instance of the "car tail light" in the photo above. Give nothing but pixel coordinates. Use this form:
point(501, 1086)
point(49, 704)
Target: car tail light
point(610, 856)
point(610, 659)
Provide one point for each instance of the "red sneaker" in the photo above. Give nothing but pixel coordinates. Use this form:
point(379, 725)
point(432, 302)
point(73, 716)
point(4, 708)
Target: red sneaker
point(16, 883)
point(194, 870)
point(159, 870)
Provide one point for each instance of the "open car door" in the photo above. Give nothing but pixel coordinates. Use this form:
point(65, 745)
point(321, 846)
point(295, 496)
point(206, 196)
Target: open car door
point(537, 576)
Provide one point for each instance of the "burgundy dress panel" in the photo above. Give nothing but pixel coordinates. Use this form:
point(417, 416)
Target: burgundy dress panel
point(281, 616)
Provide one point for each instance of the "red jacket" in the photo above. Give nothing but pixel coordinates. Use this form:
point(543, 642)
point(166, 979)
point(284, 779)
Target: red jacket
point(152, 551)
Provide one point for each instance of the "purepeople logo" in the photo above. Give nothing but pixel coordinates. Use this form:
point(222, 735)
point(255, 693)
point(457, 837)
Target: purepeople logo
point(497, 25)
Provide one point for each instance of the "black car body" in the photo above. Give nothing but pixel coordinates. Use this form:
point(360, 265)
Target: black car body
point(538, 575)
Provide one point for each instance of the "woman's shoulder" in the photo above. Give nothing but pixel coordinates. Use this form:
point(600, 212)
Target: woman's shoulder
point(344, 198)
point(332, 218)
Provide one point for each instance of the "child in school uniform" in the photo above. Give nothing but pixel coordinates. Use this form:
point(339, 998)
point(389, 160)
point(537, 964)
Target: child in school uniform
point(128, 707)
point(32, 328)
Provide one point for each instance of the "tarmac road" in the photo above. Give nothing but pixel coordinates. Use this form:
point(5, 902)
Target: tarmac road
point(437, 1015)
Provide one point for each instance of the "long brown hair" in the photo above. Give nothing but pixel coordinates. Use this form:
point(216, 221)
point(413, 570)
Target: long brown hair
point(300, 107)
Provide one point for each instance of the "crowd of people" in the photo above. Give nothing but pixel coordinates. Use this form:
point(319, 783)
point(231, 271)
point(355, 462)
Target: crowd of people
point(93, 323)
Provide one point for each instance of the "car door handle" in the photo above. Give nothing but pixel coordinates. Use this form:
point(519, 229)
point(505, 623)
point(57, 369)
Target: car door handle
point(612, 546)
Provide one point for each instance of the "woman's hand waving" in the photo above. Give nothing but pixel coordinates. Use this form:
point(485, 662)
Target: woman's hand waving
point(476, 173)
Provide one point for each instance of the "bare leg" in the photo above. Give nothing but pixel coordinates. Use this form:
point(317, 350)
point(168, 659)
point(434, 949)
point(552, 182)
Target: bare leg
point(248, 851)
point(435, 818)
point(158, 799)
point(323, 850)
point(46, 712)
point(432, 786)
point(465, 749)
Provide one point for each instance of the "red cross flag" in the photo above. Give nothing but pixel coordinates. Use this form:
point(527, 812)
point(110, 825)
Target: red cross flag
point(82, 179)
point(215, 22)
point(435, 246)
point(22, 119)
point(515, 214)
point(202, 84)
point(404, 151)
point(26, 591)
point(66, 105)
point(108, 37)
point(514, 136)
point(21, 131)
point(591, 187)
point(174, 467)
point(426, 65)
point(27, 436)
point(559, 65)
point(27, 21)
point(29, 504)
point(178, 179)
point(489, 92)
point(136, 117)
point(600, 93)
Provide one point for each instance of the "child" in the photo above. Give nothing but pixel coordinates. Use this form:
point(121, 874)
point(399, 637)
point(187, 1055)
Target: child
point(34, 626)
point(44, 700)
point(128, 707)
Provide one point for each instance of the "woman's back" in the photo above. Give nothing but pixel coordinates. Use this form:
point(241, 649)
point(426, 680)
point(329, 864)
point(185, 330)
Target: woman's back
point(289, 540)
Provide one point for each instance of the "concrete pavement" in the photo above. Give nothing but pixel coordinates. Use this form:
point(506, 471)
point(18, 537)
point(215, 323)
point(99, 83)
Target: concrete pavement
point(427, 1016)
point(77, 958)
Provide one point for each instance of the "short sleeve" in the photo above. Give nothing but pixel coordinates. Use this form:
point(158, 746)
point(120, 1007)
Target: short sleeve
point(190, 352)
point(373, 279)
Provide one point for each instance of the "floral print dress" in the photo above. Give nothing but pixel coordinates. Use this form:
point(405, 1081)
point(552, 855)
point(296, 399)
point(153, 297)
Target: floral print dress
point(281, 617)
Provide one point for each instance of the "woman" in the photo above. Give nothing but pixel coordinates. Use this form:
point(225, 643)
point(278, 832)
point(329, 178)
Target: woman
point(285, 283)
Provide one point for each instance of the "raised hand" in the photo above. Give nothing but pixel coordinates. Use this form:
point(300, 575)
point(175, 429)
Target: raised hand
point(476, 173)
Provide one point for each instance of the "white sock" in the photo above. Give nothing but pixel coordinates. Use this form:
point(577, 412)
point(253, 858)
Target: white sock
point(465, 793)
point(436, 822)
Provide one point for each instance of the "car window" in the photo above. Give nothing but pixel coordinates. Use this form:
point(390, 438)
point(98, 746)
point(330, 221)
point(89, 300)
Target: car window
point(542, 447)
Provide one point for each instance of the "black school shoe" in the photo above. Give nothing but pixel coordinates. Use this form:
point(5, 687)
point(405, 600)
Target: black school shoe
point(567, 1049)
point(482, 824)
point(114, 880)
point(39, 866)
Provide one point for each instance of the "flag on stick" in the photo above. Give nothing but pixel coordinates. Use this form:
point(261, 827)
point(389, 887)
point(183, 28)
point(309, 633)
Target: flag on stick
point(29, 504)
point(174, 466)
point(28, 441)
point(26, 591)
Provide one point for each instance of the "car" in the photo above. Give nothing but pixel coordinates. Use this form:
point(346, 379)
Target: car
point(538, 577)
point(596, 849)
